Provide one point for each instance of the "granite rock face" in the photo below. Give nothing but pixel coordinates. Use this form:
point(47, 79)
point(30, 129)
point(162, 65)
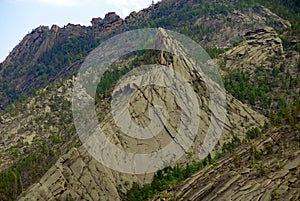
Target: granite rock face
point(78, 175)
point(260, 48)
point(242, 176)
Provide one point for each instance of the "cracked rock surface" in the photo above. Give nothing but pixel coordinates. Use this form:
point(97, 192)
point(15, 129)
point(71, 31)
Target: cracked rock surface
point(242, 176)
point(79, 176)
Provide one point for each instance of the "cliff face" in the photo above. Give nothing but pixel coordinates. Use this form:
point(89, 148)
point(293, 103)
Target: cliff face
point(38, 41)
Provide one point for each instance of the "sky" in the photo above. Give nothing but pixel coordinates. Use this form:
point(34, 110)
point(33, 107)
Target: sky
point(20, 17)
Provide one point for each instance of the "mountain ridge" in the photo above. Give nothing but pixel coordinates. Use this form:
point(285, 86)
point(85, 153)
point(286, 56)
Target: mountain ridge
point(41, 156)
point(49, 51)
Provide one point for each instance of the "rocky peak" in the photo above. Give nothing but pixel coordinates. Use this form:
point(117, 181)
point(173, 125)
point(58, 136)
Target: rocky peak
point(77, 173)
point(262, 31)
point(54, 28)
point(96, 21)
point(111, 17)
point(131, 16)
point(217, 31)
point(41, 29)
point(110, 20)
point(259, 48)
point(73, 31)
point(32, 42)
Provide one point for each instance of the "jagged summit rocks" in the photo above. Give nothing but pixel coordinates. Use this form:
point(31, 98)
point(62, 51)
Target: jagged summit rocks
point(110, 21)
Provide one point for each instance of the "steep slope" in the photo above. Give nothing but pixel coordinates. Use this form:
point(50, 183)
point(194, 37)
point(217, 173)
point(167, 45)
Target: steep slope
point(264, 168)
point(45, 54)
point(34, 133)
point(77, 175)
point(261, 48)
point(43, 124)
point(262, 71)
point(28, 123)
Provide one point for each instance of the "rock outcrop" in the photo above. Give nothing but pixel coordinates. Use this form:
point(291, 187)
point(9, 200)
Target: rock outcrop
point(79, 176)
point(110, 22)
point(266, 169)
point(47, 116)
point(219, 29)
point(227, 30)
point(260, 48)
point(38, 41)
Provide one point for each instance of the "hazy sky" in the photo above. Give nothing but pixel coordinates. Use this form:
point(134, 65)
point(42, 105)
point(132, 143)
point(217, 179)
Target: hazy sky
point(20, 17)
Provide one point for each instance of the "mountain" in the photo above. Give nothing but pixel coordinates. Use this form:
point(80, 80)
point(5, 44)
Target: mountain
point(65, 175)
point(48, 54)
point(256, 45)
